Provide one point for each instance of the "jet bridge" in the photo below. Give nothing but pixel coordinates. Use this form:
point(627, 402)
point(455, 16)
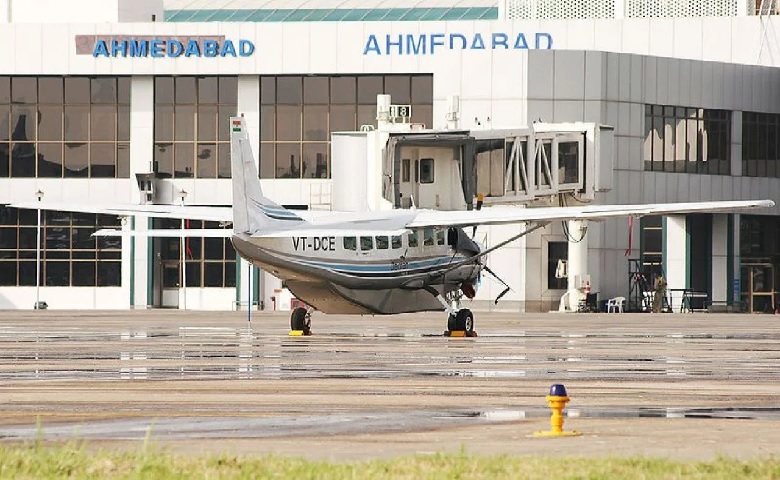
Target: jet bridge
point(507, 166)
point(399, 164)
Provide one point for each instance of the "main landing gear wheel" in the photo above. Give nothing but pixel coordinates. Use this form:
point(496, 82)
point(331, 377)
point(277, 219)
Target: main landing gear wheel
point(462, 321)
point(300, 320)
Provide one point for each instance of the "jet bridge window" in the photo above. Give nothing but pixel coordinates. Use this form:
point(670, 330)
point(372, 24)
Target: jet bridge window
point(382, 242)
point(350, 243)
point(414, 239)
point(396, 241)
point(426, 170)
point(428, 237)
point(440, 237)
point(406, 170)
point(366, 243)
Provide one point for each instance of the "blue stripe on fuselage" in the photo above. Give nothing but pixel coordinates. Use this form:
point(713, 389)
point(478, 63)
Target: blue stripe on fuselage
point(381, 267)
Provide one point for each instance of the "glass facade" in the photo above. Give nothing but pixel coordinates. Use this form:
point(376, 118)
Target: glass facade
point(556, 251)
point(759, 251)
point(651, 245)
point(298, 114)
point(65, 127)
point(760, 151)
point(70, 255)
point(687, 140)
point(191, 131)
point(211, 262)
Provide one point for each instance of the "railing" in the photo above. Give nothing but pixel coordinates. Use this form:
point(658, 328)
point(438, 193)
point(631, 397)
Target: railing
point(588, 9)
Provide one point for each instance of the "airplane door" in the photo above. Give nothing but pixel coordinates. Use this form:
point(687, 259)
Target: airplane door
point(406, 183)
point(427, 195)
point(170, 277)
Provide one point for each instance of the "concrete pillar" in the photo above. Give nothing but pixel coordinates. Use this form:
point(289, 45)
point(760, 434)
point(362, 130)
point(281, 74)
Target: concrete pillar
point(249, 106)
point(742, 8)
point(620, 8)
point(578, 262)
point(141, 156)
point(720, 256)
point(675, 256)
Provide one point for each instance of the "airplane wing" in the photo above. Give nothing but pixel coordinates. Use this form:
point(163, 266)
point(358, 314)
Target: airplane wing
point(502, 215)
point(216, 214)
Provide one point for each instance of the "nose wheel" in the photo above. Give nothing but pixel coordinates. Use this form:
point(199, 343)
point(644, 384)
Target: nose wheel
point(461, 321)
point(300, 321)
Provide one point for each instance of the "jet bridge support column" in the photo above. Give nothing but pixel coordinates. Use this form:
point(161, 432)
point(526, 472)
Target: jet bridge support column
point(578, 281)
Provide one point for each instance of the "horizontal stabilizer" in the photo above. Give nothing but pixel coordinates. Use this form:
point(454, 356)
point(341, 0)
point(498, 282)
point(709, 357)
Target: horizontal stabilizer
point(214, 214)
point(166, 233)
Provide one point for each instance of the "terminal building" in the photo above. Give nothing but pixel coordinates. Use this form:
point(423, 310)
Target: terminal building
point(120, 101)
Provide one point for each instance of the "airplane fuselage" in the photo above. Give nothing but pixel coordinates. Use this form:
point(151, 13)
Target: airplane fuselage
point(377, 274)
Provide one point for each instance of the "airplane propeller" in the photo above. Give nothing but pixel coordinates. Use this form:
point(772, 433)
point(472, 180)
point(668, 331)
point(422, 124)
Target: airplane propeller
point(493, 274)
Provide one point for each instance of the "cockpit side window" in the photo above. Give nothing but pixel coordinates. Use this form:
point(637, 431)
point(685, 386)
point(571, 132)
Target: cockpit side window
point(366, 243)
point(414, 239)
point(350, 243)
point(381, 242)
point(428, 237)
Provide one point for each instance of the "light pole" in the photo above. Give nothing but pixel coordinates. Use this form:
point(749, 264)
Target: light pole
point(183, 195)
point(39, 196)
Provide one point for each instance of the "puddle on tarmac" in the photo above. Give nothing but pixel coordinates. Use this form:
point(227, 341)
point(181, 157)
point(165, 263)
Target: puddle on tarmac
point(746, 413)
point(230, 353)
point(178, 428)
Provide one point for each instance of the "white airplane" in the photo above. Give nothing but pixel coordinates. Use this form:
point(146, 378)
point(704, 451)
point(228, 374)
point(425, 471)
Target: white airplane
point(387, 262)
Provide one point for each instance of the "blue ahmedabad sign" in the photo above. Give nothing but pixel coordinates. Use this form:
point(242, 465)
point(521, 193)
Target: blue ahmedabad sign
point(172, 48)
point(158, 46)
point(431, 43)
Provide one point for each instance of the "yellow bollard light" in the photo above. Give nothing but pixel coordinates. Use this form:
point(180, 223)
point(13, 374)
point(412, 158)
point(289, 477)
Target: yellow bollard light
point(557, 400)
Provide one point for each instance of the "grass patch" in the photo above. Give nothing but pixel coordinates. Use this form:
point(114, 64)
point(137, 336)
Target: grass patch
point(76, 461)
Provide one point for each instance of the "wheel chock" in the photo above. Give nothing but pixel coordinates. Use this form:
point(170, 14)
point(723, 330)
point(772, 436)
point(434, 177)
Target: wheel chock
point(300, 333)
point(557, 400)
point(459, 333)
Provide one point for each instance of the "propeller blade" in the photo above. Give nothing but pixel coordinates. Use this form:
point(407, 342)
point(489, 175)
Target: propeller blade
point(506, 290)
point(493, 274)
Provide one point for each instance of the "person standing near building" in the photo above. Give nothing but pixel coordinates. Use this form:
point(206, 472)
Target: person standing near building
point(660, 293)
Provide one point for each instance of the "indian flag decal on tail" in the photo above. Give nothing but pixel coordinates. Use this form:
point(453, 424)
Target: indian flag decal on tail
point(236, 125)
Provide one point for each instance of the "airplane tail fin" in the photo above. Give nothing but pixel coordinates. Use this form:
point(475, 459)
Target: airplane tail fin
point(252, 212)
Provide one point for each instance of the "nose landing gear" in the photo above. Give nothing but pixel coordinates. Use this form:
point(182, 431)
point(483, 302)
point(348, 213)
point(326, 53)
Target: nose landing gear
point(461, 324)
point(300, 322)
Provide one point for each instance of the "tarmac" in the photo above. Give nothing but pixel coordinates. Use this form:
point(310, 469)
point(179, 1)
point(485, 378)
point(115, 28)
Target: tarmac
point(679, 386)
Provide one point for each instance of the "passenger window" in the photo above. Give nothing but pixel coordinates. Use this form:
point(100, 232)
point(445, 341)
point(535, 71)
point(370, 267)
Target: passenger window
point(440, 237)
point(396, 240)
point(381, 243)
point(366, 243)
point(426, 170)
point(428, 237)
point(350, 243)
point(414, 241)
